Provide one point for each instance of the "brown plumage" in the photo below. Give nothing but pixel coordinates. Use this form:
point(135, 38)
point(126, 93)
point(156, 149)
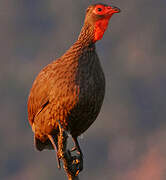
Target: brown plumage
point(70, 90)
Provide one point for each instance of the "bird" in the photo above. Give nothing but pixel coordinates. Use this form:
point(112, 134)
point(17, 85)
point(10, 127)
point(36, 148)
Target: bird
point(69, 92)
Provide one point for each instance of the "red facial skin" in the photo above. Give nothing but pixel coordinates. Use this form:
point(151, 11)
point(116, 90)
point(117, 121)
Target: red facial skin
point(101, 24)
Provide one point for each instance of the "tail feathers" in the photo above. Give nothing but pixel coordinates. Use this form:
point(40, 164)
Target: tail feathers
point(41, 146)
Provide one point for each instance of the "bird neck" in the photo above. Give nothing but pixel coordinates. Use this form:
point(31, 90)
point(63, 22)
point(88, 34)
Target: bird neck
point(86, 35)
point(85, 42)
point(90, 33)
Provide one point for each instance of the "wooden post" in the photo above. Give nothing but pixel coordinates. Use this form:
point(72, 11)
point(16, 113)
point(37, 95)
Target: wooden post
point(70, 177)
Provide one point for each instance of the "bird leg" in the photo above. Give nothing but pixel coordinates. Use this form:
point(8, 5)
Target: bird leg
point(62, 141)
point(79, 152)
point(77, 147)
point(72, 164)
point(56, 149)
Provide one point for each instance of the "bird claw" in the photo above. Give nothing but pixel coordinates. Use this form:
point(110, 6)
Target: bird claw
point(78, 151)
point(79, 163)
point(58, 160)
point(75, 165)
point(73, 149)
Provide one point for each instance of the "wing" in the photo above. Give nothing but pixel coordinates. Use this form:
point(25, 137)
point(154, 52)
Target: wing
point(39, 94)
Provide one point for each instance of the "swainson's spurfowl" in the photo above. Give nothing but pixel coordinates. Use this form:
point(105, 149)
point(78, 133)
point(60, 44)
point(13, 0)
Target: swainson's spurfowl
point(70, 90)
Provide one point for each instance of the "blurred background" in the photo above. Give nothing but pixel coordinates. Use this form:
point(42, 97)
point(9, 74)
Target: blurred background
point(128, 139)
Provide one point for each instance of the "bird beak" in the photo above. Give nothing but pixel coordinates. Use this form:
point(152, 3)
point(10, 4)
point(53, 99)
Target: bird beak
point(115, 9)
point(111, 10)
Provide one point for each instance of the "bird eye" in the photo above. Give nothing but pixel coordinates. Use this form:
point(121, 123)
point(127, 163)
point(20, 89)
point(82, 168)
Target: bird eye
point(99, 9)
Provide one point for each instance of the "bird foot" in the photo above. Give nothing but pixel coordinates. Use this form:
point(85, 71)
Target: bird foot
point(75, 163)
point(79, 162)
point(78, 151)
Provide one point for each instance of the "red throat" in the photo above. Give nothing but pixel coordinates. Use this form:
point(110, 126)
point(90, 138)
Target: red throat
point(100, 27)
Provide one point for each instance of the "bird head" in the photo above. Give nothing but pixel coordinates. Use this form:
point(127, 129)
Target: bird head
point(98, 16)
